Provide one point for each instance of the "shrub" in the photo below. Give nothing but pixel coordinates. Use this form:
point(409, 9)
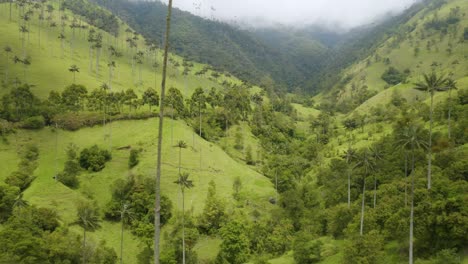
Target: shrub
point(94, 159)
point(133, 160)
point(34, 122)
point(306, 249)
point(393, 76)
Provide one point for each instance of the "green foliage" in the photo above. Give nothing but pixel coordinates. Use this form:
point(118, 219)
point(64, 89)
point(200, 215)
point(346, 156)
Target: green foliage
point(138, 194)
point(19, 104)
point(23, 177)
point(133, 160)
point(151, 98)
point(69, 175)
point(364, 249)
point(34, 122)
point(8, 195)
point(73, 97)
point(213, 216)
point(306, 249)
point(95, 16)
point(393, 76)
point(94, 159)
point(235, 246)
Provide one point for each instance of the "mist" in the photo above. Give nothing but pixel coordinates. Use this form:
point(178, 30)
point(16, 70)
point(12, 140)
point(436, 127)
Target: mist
point(343, 14)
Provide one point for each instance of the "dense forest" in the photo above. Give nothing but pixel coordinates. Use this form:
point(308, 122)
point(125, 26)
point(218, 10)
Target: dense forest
point(370, 169)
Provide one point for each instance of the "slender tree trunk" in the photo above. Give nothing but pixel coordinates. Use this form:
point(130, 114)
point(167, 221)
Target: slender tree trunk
point(98, 53)
point(84, 245)
point(449, 113)
point(349, 188)
point(7, 69)
point(361, 229)
point(375, 190)
point(157, 209)
point(406, 175)
point(11, 1)
point(429, 158)
point(412, 210)
point(121, 238)
point(56, 152)
point(183, 226)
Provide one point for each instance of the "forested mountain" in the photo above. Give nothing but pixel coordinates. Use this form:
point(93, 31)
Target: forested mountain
point(371, 168)
point(305, 59)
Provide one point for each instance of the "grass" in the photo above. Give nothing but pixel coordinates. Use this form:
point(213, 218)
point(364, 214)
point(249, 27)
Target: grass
point(49, 68)
point(216, 165)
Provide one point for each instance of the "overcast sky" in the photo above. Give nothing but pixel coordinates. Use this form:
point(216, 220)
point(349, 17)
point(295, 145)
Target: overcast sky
point(343, 13)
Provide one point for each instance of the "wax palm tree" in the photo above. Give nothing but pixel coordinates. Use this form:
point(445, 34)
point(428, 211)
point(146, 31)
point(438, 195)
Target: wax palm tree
point(62, 39)
point(74, 69)
point(451, 85)
point(184, 183)
point(7, 50)
point(377, 155)
point(88, 219)
point(368, 164)
point(111, 66)
point(349, 155)
point(411, 139)
point(157, 207)
point(125, 213)
point(432, 83)
point(181, 145)
point(23, 30)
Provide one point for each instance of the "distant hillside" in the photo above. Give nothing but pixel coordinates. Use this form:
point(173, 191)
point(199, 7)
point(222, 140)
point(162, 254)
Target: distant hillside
point(247, 55)
point(433, 38)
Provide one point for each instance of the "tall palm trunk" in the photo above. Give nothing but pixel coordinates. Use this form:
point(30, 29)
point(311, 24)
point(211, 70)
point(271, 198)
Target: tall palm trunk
point(121, 237)
point(361, 229)
point(449, 113)
point(183, 226)
point(157, 209)
point(429, 158)
point(84, 245)
point(406, 175)
point(412, 208)
point(375, 190)
point(349, 188)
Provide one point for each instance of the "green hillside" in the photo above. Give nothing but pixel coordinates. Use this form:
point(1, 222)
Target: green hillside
point(370, 170)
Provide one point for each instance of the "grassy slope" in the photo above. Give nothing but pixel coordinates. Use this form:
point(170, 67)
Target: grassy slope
point(217, 166)
point(49, 71)
point(402, 57)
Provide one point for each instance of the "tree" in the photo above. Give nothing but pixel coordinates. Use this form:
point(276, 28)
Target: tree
point(451, 85)
point(150, 98)
point(184, 183)
point(236, 187)
point(235, 246)
point(74, 69)
point(111, 66)
point(213, 214)
point(139, 60)
point(7, 50)
point(410, 138)
point(432, 83)
point(97, 46)
point(23, 30)
point(133, 159)
point(88, 219)
point(367, 163)
point(350, 153)
point(73, 97)
point(181, 144)
point(62, 39)
point(157, 206)
point(125, 213)
point(377, 155)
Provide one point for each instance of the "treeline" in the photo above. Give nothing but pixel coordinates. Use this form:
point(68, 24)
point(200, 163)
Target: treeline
point(94, 15)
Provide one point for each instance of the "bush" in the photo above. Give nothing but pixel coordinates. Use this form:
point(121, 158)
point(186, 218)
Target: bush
point(34, 122)
point(133, 160)
point(393, 76)
point(306, 249)
point(94, 159)
point(364, 249)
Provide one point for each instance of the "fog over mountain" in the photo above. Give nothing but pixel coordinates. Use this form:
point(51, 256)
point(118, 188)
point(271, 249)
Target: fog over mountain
point(338, 14)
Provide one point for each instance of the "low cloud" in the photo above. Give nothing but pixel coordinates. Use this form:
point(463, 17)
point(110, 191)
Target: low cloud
point(333, 13)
